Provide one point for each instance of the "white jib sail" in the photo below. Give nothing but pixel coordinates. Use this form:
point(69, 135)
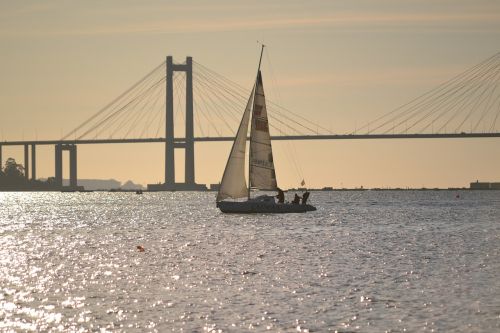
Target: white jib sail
point(233, 184)
point(262, 174)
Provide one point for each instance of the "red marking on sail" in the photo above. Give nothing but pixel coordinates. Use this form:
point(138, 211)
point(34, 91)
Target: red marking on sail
point(261, 125)
point(257, 110)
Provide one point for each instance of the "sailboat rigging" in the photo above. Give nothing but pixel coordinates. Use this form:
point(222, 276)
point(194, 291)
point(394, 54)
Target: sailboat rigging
point(261, 171)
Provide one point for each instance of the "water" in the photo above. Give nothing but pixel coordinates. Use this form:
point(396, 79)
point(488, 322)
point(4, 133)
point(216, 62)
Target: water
point(364, 262)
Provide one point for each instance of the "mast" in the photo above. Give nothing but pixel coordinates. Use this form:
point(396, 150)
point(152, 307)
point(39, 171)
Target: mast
point(260, 60)
point(251, 120)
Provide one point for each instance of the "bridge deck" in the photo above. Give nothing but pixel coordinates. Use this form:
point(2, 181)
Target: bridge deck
point(284, 137)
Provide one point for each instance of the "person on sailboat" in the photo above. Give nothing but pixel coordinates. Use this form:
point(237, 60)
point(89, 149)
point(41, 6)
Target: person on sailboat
point(296, 199)
point(305, 196)
point(280, 196)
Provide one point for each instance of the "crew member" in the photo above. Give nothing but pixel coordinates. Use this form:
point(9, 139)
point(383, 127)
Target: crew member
point(280, 196)
point(305, 196)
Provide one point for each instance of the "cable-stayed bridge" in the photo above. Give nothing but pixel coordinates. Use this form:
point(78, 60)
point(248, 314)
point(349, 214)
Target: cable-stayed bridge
point(183, 103)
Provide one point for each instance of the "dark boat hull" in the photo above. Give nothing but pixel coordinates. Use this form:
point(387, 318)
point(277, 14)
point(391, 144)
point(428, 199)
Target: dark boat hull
point(255, 207)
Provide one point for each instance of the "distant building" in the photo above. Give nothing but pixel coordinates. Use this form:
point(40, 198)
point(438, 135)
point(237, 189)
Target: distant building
point(484, 185)
point(495, 186)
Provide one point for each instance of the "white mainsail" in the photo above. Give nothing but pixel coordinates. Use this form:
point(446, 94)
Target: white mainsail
point(233, 184)
point(262, 173)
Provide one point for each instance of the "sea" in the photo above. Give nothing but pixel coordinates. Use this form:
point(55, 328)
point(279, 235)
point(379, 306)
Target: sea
point(365, 261)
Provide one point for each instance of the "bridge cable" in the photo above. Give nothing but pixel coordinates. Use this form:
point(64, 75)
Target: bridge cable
point(220, 78)
point(469, 98)
point(201, 107)
point(270, 114)
point(212, 107)
point(226, 102)
point(124, 115)
point(424, 103)
point(445, 111)
point(209, 109)
point(152, 116)
point(117, 110)
point(462, 97)
point(489, 103)
point(493, 124)
point(428, 95)
point(134, 114)
point(114, 101)
point(142, 111)
point(114, 114)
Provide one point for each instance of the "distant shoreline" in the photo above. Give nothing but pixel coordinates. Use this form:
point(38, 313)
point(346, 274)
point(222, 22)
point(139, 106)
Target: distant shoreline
point(288, 190)
point(395, 189)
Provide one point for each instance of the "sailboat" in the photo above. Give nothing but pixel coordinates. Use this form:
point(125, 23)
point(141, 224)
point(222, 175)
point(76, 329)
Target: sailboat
point(261, 171)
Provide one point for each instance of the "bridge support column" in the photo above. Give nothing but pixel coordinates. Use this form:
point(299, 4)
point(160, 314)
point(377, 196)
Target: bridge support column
point(33, 162)
point(1, 161)
point(73, 183)
point(189, 148)
point(58, 165)
point(26, 162)
point(169, 127)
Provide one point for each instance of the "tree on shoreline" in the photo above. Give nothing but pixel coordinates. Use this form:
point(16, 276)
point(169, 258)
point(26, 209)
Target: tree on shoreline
point(12, 178)
point(12, 173)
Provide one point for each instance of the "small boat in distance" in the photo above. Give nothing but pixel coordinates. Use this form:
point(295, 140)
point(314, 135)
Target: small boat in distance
point(261, 172)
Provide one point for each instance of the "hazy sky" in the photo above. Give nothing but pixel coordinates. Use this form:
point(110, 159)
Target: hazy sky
point(340, 63)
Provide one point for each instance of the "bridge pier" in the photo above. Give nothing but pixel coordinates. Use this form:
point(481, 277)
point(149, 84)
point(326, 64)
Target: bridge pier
point(58, 165)
point(72, 167)
point(33, 162)
point(73, 180)
point(169, 126)
point(189, 148)
point(1, 161)
point(189, 183)
point(26, 162)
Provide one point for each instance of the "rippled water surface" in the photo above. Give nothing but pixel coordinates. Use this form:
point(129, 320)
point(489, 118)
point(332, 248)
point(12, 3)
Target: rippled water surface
point(363, 262)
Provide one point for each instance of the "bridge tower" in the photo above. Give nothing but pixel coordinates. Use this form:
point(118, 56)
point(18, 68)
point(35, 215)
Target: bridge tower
point(170, 144)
